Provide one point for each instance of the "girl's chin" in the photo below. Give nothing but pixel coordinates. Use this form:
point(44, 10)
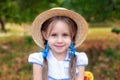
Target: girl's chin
point(60, 50)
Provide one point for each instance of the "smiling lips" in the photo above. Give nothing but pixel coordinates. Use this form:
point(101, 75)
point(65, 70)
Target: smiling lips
point(59, 46)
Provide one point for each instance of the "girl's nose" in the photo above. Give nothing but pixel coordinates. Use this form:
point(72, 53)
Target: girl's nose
point(60, 39)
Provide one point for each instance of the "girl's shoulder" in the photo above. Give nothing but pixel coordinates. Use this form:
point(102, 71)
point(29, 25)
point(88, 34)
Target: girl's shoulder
point(36, 58)
point(36, 55)
point(81, 54)
point(82, 59)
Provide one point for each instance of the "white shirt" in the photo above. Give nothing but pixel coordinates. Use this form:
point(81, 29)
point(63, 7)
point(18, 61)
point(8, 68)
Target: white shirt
point(58, 70)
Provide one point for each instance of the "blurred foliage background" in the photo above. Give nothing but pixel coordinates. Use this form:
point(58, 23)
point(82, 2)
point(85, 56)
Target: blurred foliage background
point(102, 44)
point(92, 10)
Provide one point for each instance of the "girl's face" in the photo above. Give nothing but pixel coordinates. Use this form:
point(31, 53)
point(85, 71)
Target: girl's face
point(59, 37)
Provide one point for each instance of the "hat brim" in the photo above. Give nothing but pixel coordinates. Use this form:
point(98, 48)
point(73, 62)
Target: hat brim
point(41, 18)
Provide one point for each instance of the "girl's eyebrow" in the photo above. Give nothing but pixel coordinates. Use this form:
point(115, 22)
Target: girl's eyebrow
point(53, 32)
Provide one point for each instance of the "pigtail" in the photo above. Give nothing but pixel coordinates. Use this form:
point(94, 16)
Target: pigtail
point(72, 67)
point(45, 70)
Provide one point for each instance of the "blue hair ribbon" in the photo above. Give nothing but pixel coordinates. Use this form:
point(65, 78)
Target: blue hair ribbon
point(45, 51)
point(72, 49)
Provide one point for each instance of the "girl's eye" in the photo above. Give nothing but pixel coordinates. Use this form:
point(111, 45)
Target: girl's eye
point(65, 35)
point(53, 35)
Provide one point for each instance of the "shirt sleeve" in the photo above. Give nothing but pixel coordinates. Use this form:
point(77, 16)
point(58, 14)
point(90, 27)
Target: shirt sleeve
point(82, 59)
point(36, 58)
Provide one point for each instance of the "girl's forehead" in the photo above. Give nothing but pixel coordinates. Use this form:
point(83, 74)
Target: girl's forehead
point(58, 26)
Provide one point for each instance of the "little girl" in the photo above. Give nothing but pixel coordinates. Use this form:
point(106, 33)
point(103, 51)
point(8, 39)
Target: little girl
point(58, 32)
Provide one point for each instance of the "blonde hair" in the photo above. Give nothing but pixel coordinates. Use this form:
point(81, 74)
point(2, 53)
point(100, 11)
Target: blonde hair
point(73, 31)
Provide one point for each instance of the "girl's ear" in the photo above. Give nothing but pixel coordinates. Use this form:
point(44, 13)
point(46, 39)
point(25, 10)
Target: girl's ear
point(44, 35)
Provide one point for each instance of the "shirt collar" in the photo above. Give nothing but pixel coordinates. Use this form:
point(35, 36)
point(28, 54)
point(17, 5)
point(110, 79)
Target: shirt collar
point(66, 59)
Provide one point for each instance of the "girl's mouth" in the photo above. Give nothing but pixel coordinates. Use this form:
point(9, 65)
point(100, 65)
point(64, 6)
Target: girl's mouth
point(58, 46)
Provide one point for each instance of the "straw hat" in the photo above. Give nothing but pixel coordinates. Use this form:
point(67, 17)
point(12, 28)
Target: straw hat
point(41, 18)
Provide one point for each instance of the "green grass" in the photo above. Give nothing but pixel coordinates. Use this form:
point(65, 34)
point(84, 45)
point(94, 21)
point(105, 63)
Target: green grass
point(99, 30)
point(15, 30)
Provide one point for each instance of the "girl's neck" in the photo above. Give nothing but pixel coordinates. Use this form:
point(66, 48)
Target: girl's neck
point(60, 56)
